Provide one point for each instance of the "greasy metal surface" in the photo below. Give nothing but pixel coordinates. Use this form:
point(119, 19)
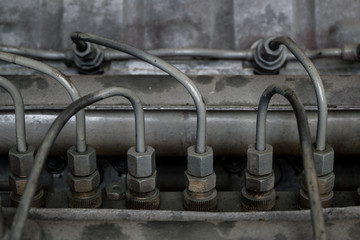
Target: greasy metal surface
point(161, 92)
point(170, 117)
point(171, 222)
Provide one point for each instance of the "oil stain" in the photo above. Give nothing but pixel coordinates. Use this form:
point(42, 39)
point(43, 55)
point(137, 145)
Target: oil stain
point(354, 231)
point(102, 231)
point(234, 81)
point(26, 82)
point(280, 236)
point(187, 230)
point(152, 83)
point(204, 80)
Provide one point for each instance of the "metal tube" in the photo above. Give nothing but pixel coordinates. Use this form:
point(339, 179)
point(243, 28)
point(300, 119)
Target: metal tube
point(50, 137)
point(110, 55)
point(36, 53)
point(64, 81)
point(21, 144)
point(171, 70)
point(318, 86)
point(306, 147)
point(246, 54)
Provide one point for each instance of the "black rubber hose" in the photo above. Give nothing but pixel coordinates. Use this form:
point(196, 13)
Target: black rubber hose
point(306, 147)
point(49, 139)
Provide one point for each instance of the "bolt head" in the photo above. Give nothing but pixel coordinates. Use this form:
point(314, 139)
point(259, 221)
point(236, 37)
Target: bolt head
point(82, 164)
point(115, 191)
point(259, 183)
point(84, 184)
point(324, 161)
point(200, 164)
point(326, 183)
point(17, 184)
point(200, 184)
point(259, 162)
point(21, 163)
point(141, 185)
point(141, 165)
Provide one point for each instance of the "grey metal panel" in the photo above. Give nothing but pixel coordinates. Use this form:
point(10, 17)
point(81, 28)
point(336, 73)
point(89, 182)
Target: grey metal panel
point(170, 116)
point(150, 24)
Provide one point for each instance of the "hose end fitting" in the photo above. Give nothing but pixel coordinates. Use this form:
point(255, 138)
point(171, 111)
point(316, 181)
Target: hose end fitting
point(83, 179)
point(21, 164)
point(200, 180)
point(141, 180)
point(268, 58)
point(88, 58)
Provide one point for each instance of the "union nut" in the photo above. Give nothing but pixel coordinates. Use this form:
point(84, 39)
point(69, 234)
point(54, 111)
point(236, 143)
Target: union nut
point(82, 164)
point(324, 160)
point(200, 164)
point(326, 183)
point(17, 184)
point(21, 163)
point(200, 184)
point(84, 184)
point(259, 162)
point(141, 165)
point(141, 185)
point(326, 199)
point(259, 183)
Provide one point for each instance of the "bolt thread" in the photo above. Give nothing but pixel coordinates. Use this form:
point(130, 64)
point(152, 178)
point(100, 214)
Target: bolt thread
point(150, 201)
point(88, 200)
point(254, 201)
point(200, 204)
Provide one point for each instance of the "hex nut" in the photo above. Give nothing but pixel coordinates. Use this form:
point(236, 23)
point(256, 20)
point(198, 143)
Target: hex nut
point(324, 161)
point(141, 185)
point(84, 184)
point(17, 184)
point(141, 165)
point(200, 164)
point(326, 200)
point(197, 184)
point(326, 183)
point(21, 163)
point(115, 191)
point(259, 183)
point(82, 164)
point(259, 162)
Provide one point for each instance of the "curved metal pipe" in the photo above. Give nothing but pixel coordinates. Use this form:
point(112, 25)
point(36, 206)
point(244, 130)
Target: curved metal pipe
point(64, 81)
point(306, 147)
point(36, 53)
point(50, 137)
point(317, 82)
point(79, 37)
point(21, 145)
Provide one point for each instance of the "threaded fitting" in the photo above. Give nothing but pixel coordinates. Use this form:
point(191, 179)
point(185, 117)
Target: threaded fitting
point(254, 201)
point(200, 201)
point(91, 199)
point(37, 201)
point(326, 200)
point(145, 201)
